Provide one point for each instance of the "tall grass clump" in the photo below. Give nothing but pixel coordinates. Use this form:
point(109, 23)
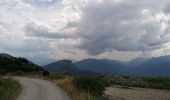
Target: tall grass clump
point(94, 85)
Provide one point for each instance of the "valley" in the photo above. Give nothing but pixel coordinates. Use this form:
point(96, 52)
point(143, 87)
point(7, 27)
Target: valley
point(89, 79)
point(84, 49)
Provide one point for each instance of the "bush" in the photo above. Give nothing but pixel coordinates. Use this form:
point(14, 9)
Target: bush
point(45, 73)
point(94, 85)
point(3, 72)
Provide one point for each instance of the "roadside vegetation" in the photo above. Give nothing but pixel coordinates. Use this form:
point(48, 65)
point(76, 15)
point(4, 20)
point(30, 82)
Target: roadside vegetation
point(78, 88)
point(9, 89)
point(83, 88)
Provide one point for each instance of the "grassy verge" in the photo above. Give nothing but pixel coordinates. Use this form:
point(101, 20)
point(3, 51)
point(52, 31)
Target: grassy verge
point(9, 89)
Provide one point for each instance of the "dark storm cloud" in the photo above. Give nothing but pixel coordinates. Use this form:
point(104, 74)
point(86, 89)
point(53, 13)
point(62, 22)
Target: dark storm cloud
point(122, 26)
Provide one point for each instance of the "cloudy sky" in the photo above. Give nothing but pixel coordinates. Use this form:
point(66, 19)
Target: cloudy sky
point(47, 30)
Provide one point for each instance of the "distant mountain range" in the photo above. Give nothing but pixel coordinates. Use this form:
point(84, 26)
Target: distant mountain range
point(137, 61)
point(68, 68)
point(158, 66)
point(102, 66)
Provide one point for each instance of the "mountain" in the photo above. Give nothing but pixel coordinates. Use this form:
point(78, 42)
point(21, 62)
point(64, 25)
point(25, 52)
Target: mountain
point(5, 55)
point(10, 64)
point(67, 67)
point(103, 66)
point(159, 66)
point(137, 61)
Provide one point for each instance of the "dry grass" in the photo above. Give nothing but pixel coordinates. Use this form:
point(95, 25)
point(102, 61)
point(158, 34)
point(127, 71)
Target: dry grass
point(67, 84)
point(117, 93)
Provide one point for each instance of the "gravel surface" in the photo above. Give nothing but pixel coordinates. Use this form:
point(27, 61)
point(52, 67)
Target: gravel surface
point(119, 93)
point(36, 89)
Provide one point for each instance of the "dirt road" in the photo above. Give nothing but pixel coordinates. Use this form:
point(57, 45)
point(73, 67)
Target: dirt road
point(36, 89)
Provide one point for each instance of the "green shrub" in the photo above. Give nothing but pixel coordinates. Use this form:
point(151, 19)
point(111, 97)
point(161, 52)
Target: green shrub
point(94, 85)
point(45, 73)
point(54, 76)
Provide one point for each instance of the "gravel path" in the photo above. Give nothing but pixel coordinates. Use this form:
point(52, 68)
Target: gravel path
point(36, 89)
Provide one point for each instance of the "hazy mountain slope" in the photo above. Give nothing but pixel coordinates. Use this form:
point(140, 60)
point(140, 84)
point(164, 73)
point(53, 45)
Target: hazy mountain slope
point(102, 66)
point(137, 61)
point(67, 67)
point(159, 66)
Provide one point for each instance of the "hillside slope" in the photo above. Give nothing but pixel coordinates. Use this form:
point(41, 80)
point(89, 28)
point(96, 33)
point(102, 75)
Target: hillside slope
point(13, 64)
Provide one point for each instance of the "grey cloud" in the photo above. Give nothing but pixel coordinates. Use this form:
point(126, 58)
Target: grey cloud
point(42, 3)
point(41, 31)
point(41, 60)
point(26, 45)
point(167, 7)
point(110, 26)
point(127, 26)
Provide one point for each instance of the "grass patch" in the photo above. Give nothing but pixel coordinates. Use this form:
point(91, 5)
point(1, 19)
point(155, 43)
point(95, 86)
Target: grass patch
point(9, 89)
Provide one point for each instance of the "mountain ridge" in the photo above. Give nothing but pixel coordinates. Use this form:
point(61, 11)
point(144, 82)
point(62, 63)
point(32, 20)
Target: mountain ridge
point(135, 67)
point(68, 68)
